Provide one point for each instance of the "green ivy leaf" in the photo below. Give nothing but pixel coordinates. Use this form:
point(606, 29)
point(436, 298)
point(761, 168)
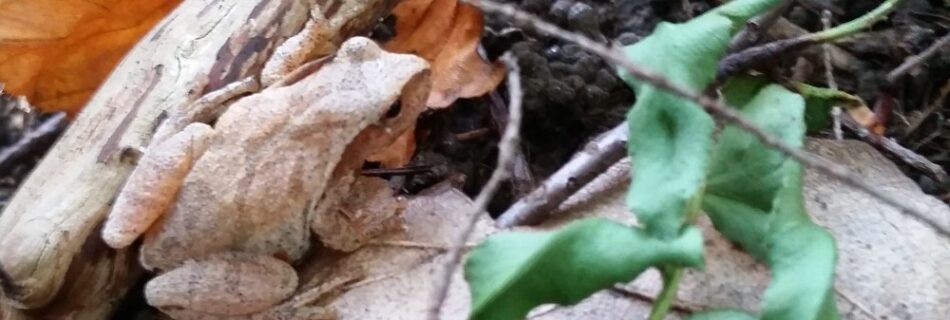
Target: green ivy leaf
point(819, 101)
point(511, 273)
point(761, 205)
point(670, 137)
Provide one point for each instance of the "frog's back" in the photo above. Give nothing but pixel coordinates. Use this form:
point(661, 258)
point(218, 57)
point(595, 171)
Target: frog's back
point(252, 188)
point(273, 154)
point(246, 193)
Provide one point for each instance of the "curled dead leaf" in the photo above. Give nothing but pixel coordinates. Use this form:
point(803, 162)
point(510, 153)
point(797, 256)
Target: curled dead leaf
point(446, 33)
point(820, 100)
point(58, 52)
point(399, 153)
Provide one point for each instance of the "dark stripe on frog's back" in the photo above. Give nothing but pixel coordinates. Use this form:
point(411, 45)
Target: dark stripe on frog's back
point(330, 7)
point(196, 224)
point(279, 198)
point(209, 205)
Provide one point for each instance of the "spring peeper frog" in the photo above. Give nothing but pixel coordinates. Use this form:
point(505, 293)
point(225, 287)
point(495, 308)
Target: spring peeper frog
point(225, 210)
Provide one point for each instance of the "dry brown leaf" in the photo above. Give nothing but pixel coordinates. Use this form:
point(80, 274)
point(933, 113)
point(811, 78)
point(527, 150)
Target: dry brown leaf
point(399, 153)
point(399, 271)
point(446, 33)
point(57, 52)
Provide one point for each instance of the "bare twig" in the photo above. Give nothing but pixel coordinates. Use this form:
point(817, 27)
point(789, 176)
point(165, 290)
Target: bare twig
point(521, 180)
point(754, 29)
point(906, 156)
point(590, 162)
point(33, 142)
point(937, 104)
point(830, 76)
point(416, 245)
point(747, 58)
point(679, 306)
point(387, 172)
point(507, 148)
point(710, 104)
point(472, 134)
point(315, 293)
point(840, 58)
point(915, 60)
point(857, 304)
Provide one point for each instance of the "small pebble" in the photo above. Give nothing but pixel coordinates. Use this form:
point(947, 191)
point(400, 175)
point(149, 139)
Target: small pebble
point(553, 52)
point(575, 82)
point(559, 10)
point(583, 18)
point(606, 79)
point(596, 96)
point(561, 69)
point(628, 38)
point(587, 67)
point(559, 91)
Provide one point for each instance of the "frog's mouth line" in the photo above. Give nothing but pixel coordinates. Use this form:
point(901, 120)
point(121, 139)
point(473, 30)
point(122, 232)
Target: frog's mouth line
point(303, 71)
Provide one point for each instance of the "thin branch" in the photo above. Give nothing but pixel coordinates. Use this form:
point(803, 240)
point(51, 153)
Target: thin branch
point(905, 155)
point(865, 21)
point(33, 142)
point(416, 245)
point(745, 59)
point(586, 165)
point(830, 75)
point(755, 28)
point(915, 60)
point(507, 148)
point(937, 104)
point(711, 105)
point(857, 304)
point(678, 306)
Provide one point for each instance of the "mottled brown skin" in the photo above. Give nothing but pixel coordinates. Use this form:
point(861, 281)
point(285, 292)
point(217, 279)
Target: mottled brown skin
point(248, 199)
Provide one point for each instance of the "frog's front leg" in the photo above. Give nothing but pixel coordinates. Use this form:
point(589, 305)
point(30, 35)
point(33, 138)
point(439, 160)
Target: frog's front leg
point(225, 285)
point(313, 40)
point(152, 186)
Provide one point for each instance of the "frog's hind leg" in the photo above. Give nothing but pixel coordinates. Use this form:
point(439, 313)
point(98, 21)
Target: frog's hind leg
point(151, 188)
point(223, 285)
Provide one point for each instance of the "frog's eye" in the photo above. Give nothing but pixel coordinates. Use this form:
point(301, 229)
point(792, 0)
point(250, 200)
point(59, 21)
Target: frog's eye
point(394, 110)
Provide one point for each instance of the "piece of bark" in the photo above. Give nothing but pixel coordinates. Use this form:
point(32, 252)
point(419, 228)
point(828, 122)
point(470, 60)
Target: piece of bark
point(93, 287)
point(44, 230)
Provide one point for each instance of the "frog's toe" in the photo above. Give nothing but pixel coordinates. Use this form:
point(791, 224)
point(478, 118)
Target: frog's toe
point(228, 284)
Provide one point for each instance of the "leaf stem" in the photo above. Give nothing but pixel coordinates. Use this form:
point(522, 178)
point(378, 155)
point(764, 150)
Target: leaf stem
point(671, 280)
point(862, 22)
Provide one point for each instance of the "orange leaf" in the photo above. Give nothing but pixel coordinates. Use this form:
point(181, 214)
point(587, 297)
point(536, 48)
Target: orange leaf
point(399, 153)
point(446, 33)
point(58, 52)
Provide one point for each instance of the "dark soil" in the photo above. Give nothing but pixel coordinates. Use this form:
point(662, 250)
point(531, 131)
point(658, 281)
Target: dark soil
point(17, 126)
